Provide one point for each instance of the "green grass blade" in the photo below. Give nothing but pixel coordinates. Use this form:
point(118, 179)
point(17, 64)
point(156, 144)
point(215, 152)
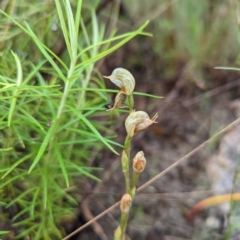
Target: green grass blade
point(93, 129)
point(5, 149)
point(15, 92)
point(19, 68)
point(95, 31)
point(18, 135)
point(38, 235)
point(34, 201)
point(146, 95)
point(85, 34)
point(89, 175)
point(21, 196)
point(21, 160)
point(27, 231)
point(83, 170)
point(78, 16)
point(45, 187)
point(61, 162)
point(35, 70)
point(71, 28)
point(107, 41)
point(97, 90)
point(63, 26)
point(43, 146)
point(19, 214)
point(228, 68)
point(32, 119)
point(26, 221)
point(88, 135)
point(12, 179)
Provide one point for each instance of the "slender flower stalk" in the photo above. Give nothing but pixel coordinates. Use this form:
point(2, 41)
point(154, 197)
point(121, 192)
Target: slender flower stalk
point(135, 122)
point(130, 100)
point(125, 169)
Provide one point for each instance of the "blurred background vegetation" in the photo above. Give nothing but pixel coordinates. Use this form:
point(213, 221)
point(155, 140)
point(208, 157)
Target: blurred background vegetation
point(189, 38)
point(186, 35)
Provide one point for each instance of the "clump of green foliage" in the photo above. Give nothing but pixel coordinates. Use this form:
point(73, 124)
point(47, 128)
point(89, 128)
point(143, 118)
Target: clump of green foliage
point(50, 97)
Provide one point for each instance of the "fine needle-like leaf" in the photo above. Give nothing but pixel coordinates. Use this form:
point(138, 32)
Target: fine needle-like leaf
point(78, 16)
point(63, 26)
point(12, 179)
point(18, 135)
point(21, 160)
point(43, 146)
point(32, 119)
point(27, 231)
point(228, 68)
point(61, 162)
point(15, 92)
point(93, 129)
point(34, 201)
point(72, 33)
point(45, 187)
point(19, 214)
point(5, 149)
point(21, 196)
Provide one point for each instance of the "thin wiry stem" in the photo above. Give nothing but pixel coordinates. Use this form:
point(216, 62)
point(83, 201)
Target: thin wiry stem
point(127, 149)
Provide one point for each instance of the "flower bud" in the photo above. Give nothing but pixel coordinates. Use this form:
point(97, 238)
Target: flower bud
point(125, 203)
point(123, 79)
point(137, 121)
point(139, 162)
